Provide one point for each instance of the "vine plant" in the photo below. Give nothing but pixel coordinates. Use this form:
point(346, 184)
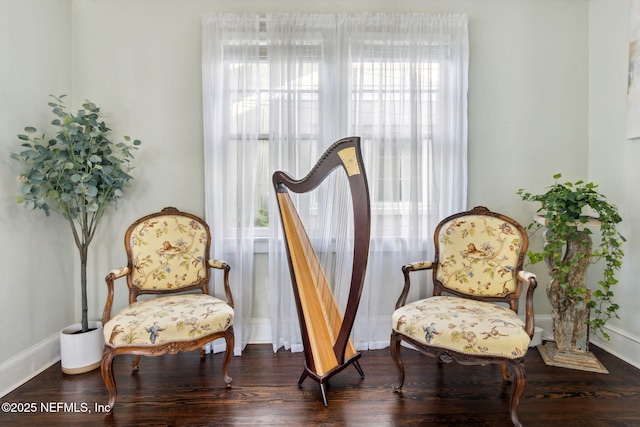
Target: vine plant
point(566, 209)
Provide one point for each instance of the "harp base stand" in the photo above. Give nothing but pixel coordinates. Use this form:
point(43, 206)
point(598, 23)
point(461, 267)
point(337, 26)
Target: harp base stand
point(324, 380)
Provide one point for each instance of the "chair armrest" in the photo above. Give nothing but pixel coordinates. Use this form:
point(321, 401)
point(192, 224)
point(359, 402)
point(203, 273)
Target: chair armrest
point(532, 282)
point(525, 276)
point(113, 275)
point(416, 266)
point(117, 273)
point(406, 270)
point(221, 265)
point(215, 263)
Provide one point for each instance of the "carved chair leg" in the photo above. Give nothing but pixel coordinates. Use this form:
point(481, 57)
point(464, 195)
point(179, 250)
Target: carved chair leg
point(519, 383)
point(397, 360)
point(505, 373)
point(201, 351)
point(228, 353)
point(107, 375)
point(135, 363)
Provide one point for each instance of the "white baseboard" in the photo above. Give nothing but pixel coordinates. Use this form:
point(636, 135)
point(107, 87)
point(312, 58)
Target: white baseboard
point(623, 345)
point(260, 331)
point(546, 323)
point(25, 365)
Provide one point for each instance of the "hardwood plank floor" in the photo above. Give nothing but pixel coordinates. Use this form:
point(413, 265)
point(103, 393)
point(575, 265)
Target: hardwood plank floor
point(177, 390)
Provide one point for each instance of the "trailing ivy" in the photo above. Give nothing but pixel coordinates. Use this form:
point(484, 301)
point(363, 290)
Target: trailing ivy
point(563, 207)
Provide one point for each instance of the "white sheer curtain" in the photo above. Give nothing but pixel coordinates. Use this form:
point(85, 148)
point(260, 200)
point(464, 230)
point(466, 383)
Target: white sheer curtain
point(407, 90)
point(295, 86)
point(232, 129)
point(301, 51)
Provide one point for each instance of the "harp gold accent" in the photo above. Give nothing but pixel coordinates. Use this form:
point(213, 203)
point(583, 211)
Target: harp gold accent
point(325, 330)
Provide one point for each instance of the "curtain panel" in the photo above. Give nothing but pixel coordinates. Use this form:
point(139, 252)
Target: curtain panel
point(279, 89)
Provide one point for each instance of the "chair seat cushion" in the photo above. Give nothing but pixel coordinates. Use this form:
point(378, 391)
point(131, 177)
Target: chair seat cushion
point(463, 325)
point(168, 319)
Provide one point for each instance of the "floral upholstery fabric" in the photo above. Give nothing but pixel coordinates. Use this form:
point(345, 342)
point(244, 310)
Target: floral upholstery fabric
point(477, 255)
point(463, 325)
point(168, 252)
point(168, 319)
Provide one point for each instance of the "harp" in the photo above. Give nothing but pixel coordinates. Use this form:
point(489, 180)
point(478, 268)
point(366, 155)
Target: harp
point(325, 329)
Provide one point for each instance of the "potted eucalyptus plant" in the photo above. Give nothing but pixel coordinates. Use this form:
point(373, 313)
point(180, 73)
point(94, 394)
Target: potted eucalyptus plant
point(568, 212)
point(79, 174)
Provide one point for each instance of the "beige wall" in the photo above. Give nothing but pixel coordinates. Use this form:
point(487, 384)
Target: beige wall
point(528, 81)
point(613, 159)
point(140, 61)
point(36, 257)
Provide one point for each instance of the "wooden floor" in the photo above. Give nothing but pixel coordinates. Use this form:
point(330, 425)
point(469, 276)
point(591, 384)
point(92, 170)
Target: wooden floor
point(176, 390)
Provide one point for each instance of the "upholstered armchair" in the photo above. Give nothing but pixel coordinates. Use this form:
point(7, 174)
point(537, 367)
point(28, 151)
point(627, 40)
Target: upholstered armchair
point(472, 317)
point(168, 257)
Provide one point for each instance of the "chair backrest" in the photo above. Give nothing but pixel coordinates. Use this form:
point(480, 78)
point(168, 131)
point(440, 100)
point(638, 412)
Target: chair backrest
point(478, 254)
point(168, 252)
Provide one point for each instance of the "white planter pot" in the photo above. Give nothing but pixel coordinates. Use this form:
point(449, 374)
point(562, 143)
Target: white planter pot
point(81, 352)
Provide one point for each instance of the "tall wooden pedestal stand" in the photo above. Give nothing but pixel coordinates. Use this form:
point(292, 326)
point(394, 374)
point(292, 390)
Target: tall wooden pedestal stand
point(571, 333)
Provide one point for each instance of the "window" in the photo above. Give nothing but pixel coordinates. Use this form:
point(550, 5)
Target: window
point(391, 96)
point(279, 89)
point(395, 98)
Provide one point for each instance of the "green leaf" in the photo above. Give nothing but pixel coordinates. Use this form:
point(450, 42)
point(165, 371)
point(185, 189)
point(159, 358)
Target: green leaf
point(92, 191)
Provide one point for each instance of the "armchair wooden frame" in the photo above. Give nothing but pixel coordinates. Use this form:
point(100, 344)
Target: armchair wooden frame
point(511, 299)
point(170, 347)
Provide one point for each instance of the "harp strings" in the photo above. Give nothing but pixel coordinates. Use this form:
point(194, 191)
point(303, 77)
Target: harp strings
point(331, 234)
